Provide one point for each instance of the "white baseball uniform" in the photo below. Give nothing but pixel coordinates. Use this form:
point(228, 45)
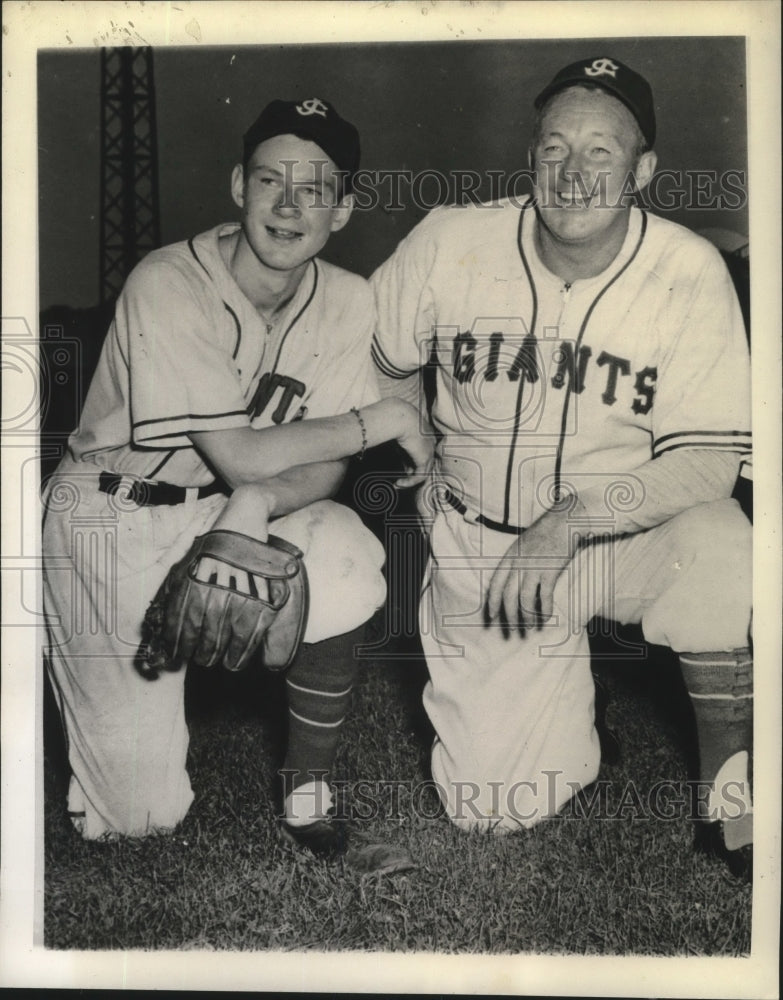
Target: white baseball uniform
point(542, 385)
point(186, 352)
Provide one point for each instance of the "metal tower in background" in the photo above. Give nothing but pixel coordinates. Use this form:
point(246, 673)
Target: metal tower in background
point(130, 216)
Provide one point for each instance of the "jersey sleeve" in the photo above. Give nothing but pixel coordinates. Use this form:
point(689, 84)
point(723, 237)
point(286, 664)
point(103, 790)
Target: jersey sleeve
point(702, 397)
point(405, 304)
point(182, 376)
point(668, 485)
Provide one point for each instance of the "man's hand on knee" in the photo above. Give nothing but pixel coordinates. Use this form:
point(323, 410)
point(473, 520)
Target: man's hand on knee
point(523, 585)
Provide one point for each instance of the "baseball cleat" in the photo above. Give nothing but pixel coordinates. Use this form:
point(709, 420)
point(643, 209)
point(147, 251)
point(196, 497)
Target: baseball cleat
point(325, 838)
point(709, 841)
point(328, 839)
point(373, 858)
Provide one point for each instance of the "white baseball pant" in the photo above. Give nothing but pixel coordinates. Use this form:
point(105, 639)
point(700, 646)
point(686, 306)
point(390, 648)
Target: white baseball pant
point(104, 560)
point(514, 715)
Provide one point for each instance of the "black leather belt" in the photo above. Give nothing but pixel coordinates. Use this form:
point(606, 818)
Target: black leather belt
point(145, 494)
point(459, 506)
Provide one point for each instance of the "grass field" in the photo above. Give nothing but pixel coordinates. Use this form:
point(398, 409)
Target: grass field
point(616, 880)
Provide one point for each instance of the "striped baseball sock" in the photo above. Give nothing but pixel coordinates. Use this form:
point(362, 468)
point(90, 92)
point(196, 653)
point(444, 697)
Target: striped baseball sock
point(319, 692)
point(720, 686)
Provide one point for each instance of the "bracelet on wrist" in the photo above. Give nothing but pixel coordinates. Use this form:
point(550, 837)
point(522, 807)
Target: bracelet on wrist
point(360, 455)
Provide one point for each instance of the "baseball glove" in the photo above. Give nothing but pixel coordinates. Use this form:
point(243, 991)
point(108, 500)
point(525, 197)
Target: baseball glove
point(206, 623)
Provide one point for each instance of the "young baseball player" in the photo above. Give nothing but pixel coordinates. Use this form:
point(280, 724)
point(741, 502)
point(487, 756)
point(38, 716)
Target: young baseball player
point(592, 407)
point(237, 363)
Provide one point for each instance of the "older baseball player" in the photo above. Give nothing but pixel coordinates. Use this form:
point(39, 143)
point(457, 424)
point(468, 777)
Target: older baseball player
point(592, 410)
point(237, 363)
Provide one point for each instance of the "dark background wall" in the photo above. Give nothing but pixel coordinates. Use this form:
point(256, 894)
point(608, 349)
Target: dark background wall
point(419, 106)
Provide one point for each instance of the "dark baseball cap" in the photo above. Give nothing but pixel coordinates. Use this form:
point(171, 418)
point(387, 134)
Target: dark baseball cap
point(314, 120)
point(616, 78)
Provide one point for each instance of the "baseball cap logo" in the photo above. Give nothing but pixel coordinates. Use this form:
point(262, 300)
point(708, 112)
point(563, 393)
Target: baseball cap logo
point(602, 67)
point(312, 107)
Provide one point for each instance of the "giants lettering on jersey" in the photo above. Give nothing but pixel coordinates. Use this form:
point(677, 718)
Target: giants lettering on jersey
point(571, 366)
point(268, 385)
point(523, 363)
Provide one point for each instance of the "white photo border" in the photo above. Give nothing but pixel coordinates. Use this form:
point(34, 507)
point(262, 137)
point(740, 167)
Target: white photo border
point(28, 27)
